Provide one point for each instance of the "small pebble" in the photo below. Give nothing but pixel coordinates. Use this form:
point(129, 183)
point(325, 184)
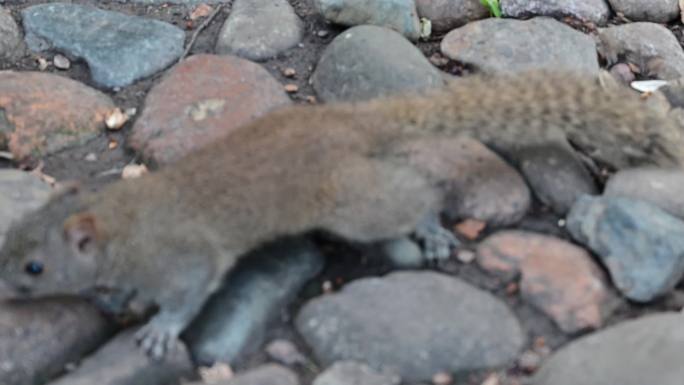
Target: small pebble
point(61, 62)
point(116, 119)
point(289, 72)
point(442, 378)
point(492, 379)
point(322, 33)
point(133, 171)
point(217, 373)
point(466, 256)
point(623, 73)
point(202, 10)
point(42, 63)
point(291, 88)
point(529, 361)
point(470, 228)
point(91, 157)
point(285, 352)
point(438, 60)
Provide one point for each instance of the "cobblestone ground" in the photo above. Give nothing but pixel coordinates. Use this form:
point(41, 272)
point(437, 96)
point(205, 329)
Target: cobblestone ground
point(566, 274)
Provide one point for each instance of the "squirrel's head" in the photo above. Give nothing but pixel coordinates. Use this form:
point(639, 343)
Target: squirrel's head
point(52, 251)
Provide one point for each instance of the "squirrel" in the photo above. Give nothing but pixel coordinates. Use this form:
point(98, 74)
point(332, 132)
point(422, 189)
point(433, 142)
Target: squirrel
point(168, 238)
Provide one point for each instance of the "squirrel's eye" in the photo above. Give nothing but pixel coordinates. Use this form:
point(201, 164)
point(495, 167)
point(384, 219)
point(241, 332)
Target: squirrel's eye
point(34, 268)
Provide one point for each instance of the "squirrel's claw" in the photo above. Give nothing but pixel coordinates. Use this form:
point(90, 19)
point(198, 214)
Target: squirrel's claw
point(156, 340)
point(437, 241)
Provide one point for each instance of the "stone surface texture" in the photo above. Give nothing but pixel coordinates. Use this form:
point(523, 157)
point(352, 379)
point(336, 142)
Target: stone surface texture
point(651, 47)
point(507, 45)
point(354, 373)
point(368, 61)
point(399, 15)
point(643, 351)
point(481, 185)
point(269, 374)
point(200, 100)
point(20, 192)
point(641, 245)
point(657, 11)
point(446, 15)
point(118, 48)
point(10, 36)
point(259, 29)
point(42, 113)
point(661, 187)
point(38, 338)
point(556, 277)
point(595, 11)
point(121, 361)
point(414, 324)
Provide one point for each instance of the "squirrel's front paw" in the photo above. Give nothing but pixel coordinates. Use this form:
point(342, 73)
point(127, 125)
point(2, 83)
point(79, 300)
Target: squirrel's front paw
point(157, 339)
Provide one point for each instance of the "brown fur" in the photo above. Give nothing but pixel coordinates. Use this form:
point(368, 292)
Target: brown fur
point(172, 235)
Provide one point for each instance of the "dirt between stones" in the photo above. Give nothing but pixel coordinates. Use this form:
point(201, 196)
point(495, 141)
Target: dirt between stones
point(344, 262)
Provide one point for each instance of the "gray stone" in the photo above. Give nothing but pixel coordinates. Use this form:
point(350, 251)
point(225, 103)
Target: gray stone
point(10, 37)
point(20, 192)
point(641, 245)
point(121, 361)
point(118, 48)
point(354, 373)
point(659, 11)
point(652, 47)
point(188, 2)
point(38, 338)
point(414, 324)
point(674, 92)
point(399, 15)
point(555, 174)
point(595, 11)
point(264, 375)
point(661, 187)
point(446, 15)
point(402, 253)
point(506, 45)
point(259, 29)
point(236, 318)
point(644, 351)
point(480, 184)
point(368, 61)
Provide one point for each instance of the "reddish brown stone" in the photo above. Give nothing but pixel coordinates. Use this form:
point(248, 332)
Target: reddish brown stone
point(42, 113)
point(470, 228)
point(200, 100)
point(557, 277)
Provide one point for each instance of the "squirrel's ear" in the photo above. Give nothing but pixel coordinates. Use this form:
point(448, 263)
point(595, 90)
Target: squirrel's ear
point(81, 231)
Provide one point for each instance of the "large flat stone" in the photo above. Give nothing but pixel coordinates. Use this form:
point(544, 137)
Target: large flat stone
point(412, 323)
point(647, 350)
point(507, 45)
point(118, 48)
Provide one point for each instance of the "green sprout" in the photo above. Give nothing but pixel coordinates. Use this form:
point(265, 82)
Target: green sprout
point(492, 6)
